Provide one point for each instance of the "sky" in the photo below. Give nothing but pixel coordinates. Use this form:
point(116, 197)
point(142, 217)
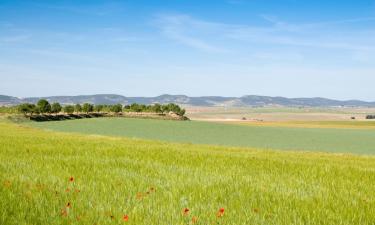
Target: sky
point(290, 48)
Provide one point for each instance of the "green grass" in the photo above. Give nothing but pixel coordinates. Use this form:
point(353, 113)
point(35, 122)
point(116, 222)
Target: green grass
point(361, 141)
point(311, 124)
point(254, 186)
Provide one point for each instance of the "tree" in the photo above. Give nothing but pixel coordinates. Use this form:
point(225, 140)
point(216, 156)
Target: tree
point(181, 112)
point(135, 107)
point(98, 108)
point(26, 108)
point(56, 107)
point(171, 107)
point(69, 109)
point(157, 108)
point(77, 108)
point(116, 108)
point(44, 106)
point(87, 107)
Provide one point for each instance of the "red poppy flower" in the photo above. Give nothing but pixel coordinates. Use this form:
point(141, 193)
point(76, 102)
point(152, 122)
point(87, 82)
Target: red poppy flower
point(220, 213)
point(125, 218)
point(68, 205)
point(194, 219)
point(71, 179)
point(186, 211)
point(67, 190)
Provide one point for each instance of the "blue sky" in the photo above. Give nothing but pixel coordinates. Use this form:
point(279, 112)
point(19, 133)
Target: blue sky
point(289, 48)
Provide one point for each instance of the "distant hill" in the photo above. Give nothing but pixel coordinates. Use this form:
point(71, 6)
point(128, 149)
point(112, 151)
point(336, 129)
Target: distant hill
point(247, 100)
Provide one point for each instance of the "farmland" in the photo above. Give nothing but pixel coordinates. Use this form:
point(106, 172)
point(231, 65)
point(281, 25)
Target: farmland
point(49, 177)
point(319, 138)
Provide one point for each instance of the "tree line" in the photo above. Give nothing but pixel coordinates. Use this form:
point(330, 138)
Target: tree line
point(44, 107)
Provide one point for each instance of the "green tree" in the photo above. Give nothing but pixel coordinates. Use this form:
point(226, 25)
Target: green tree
point(69, 109)
point(87, 107)
point(77, 108)
point(116, 108)
point(135, 107)
point(26, 108)
point(56, 107)
point(44, 106)
point(98, 108)
point(171, 107)
point(156, 108)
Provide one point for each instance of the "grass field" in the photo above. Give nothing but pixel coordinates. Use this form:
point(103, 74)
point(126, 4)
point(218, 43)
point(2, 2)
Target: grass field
point(360, 141)
point(153, 182)
point(312, 124)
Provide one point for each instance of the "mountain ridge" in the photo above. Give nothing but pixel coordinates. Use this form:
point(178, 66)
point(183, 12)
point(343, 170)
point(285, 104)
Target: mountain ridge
point(246, 100)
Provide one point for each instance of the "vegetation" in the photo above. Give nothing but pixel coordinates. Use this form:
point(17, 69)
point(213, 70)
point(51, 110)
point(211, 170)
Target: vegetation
point(56, 107)
point(87, 108)
point(26, 108)
point(55, 178)
point(69, 109)
point(369, 117)
point(77, 108)
point(285, 138)
point(9, 109)
point(44, 107)
point(312, 124)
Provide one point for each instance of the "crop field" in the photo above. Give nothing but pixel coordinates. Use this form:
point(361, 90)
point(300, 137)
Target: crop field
point(311, 124)
point(361, 141)
point(49, 177)
point(278, 114)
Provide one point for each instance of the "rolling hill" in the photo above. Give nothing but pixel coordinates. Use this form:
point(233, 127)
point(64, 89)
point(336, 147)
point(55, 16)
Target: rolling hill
point(247, 100)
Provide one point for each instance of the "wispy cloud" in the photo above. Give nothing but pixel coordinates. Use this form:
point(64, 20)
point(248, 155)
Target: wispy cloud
point(107, 8)
point(206, 35)
point(14, 38)
point(188, 31)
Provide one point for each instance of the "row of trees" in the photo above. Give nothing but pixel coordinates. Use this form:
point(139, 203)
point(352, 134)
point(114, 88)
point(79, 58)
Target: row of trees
point(44, 107)
point(370, 117)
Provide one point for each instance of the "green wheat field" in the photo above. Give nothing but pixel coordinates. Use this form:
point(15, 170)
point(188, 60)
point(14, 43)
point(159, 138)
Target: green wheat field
point(97, 176)
point(273, 137)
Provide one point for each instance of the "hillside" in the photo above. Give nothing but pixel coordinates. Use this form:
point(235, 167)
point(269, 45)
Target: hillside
point(247, 100)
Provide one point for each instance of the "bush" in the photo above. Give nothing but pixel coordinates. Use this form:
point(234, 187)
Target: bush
point(370, 117)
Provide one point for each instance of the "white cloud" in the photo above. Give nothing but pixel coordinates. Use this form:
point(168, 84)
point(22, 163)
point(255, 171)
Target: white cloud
point(206, 35)
point(188, 31)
